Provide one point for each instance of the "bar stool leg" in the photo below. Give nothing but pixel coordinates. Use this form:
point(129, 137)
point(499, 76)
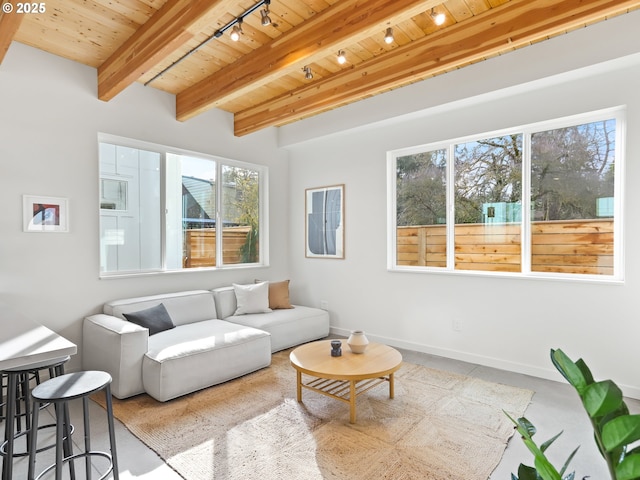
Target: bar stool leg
point(87, 437)
point(67, 443)
point(10, 411)
point(112, 432)
point(19, 390)
point(1, 396)
point(64, 445)
point(33, 443)
point(2, 387)
point(24, 382)
point(60, 430)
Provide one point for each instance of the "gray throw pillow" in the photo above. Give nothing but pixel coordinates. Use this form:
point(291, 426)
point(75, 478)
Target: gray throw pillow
point(156, 319)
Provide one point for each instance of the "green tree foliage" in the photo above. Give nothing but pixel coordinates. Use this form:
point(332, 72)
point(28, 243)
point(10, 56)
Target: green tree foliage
point(487, 171)
point(570, 169)
point(241, 203)
point(420, 186)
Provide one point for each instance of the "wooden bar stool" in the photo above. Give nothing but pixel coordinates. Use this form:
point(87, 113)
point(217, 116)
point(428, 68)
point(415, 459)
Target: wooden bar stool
point(18, 382)
point(60, 391)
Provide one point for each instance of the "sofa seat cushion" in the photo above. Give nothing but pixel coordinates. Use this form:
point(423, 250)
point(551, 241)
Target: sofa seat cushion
point(288, 327)
point(197, 355)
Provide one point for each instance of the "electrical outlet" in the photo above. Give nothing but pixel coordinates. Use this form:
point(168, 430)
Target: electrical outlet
point(456, 325)
point(324, 305)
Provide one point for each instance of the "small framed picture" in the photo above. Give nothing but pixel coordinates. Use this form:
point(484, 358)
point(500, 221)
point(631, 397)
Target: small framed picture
point(324, 219)
point(45, 214)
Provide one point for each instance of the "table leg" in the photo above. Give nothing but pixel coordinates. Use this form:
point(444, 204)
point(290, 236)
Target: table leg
point(299, 384)
point(352, 402)
point(391, 386)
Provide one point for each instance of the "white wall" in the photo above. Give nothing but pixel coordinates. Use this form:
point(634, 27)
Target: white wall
point(506, 323)
point(50, 117)
point(49, 122)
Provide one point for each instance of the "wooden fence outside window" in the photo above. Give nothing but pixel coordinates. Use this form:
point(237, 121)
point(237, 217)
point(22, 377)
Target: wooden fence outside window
point(200, 246)
point(574, 246)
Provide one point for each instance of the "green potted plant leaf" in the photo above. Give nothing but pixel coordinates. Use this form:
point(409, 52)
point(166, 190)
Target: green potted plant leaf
point(615, 430)
point(543, 469)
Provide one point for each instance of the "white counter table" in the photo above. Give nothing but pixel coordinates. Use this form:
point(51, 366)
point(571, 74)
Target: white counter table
point(23, 342)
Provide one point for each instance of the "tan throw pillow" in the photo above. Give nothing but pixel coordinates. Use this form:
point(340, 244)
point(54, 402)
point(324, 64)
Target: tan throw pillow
point(279, 295)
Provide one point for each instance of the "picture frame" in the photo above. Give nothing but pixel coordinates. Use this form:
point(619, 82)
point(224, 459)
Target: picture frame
point(324, 222)
point(45, 214)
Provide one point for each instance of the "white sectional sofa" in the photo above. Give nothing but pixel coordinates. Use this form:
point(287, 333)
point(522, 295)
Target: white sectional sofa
point(209, 343)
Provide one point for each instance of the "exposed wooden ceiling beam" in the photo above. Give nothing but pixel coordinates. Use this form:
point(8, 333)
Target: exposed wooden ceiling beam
point(9, 23)
point(166, 31)
point(345, 22)
point(512, 25)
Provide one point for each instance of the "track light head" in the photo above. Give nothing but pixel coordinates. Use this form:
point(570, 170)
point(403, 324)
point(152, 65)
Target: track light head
point(308, 75)
point(388, 35)
point(237, 30)
point(265, 19)
point(341, 57)
point(438, 18)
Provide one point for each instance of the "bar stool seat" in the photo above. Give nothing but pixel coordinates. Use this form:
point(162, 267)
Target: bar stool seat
point(17, 393)
point(59, 391)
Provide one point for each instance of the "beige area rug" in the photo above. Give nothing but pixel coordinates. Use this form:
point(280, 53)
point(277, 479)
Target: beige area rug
point(439, 426)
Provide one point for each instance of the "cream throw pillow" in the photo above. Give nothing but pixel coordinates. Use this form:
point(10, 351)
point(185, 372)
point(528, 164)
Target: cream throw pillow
point(252, 298)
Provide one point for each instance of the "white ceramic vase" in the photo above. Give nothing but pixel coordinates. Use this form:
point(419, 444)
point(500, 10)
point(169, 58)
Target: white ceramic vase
point(358, 341)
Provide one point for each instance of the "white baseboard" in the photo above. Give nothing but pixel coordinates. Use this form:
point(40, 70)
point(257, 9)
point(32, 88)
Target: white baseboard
point(547, 374)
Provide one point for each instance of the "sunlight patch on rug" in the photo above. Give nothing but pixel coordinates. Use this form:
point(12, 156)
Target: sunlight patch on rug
point(439, 426)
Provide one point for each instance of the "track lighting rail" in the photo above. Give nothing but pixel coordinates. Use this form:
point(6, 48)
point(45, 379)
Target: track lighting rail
point(236, 25)
point(217, 34)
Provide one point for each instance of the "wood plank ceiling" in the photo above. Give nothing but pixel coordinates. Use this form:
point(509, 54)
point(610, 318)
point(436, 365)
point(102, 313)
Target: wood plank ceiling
point(171, 45)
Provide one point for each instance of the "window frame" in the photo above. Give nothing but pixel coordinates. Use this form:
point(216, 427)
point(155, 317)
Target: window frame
point(617, 113)
point(220, 163)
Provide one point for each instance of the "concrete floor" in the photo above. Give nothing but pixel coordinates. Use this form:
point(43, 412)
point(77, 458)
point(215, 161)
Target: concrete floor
point(555, 407)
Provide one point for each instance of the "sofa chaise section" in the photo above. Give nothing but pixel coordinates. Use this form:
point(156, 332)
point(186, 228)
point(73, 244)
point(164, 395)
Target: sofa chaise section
point(199, 352)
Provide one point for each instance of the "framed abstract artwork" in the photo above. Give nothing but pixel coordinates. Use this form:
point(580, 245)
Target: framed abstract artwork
point(45, 214)
point(324, 222)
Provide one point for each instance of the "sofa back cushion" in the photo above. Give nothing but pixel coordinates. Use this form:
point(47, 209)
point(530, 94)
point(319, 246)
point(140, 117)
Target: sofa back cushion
point(183, 307)
point(225, 301)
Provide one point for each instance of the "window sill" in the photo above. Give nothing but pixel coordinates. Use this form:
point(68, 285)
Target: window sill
point(115, 275)
point(519, 276)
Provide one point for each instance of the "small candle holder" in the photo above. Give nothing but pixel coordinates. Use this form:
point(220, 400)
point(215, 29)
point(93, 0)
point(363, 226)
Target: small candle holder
point(336, 348)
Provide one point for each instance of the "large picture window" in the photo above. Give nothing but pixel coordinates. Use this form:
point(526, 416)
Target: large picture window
point(164, 210)
point(540, 200)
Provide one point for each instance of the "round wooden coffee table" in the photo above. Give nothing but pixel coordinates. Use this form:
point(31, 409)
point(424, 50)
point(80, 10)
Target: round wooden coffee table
point(347, 376)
